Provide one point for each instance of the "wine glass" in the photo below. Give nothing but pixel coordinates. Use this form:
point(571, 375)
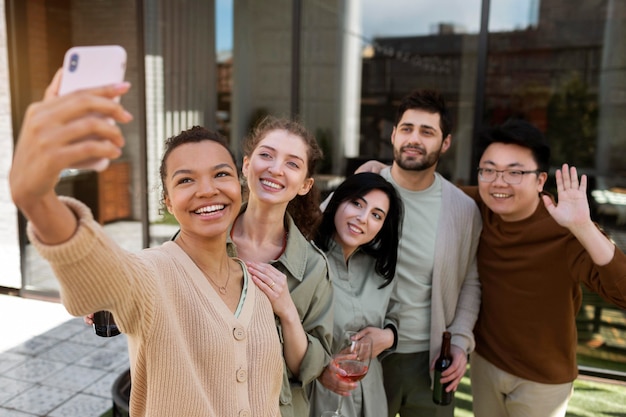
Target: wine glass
point(353, 357)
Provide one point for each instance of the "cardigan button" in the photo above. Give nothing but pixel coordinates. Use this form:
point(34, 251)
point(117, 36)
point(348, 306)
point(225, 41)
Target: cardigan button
point(239, 333)
point(242, 375)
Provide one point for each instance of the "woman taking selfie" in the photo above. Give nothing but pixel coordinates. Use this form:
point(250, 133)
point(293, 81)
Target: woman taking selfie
point(201, 336)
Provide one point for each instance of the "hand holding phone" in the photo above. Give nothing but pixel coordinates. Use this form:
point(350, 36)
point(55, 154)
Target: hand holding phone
point(88, 67)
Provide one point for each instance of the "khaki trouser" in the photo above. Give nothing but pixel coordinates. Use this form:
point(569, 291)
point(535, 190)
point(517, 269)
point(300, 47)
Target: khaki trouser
point(499, 394)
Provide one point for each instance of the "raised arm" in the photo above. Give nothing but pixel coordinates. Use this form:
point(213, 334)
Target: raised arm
point(572, 212)
point(49, 142)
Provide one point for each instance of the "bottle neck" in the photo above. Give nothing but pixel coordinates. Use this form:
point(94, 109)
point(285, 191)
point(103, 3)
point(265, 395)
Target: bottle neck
point(445, 344)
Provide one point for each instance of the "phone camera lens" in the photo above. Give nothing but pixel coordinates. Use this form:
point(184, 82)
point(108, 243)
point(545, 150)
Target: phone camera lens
point(73, 62)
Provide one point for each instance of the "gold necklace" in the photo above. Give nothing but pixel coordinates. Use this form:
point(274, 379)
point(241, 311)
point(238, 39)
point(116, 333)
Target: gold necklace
point(222, 289)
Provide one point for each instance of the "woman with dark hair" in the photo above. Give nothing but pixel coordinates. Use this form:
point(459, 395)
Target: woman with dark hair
point(272, 234)
point(201, 337)
point(359, 233)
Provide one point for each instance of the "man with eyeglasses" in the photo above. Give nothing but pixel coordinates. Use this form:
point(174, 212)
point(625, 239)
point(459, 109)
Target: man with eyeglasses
point(532, 258)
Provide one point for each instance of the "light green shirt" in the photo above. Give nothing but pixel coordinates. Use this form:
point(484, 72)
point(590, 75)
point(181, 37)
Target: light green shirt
point(411, 301)
point(358, 303)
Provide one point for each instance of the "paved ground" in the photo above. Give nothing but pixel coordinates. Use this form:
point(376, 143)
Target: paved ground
point(52, 364)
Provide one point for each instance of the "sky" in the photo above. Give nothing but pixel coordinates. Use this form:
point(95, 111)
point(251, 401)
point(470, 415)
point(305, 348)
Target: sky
point(224, 25)
point(416, 17)
point(409, 17)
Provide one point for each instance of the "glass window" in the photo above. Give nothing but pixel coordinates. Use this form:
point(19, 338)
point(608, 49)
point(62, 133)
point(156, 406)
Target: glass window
point(558, 66)
point(413, 45)
point(564, 70)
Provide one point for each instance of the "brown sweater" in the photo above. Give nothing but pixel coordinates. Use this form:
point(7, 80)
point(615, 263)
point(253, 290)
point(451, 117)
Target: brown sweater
point(531, 271)
point(190, 356)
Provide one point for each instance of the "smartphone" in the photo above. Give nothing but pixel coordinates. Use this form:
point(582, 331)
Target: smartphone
point(88, 67)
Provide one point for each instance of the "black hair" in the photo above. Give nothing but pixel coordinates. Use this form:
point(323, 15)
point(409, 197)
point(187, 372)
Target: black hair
point(384, 246)
point(429, 101)
point(518, 132)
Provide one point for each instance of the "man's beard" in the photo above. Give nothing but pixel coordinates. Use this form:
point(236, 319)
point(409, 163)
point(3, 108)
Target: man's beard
point(415, 164)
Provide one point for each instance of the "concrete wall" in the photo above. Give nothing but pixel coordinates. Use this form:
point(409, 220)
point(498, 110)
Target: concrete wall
point(181, 81)
point(330, 67)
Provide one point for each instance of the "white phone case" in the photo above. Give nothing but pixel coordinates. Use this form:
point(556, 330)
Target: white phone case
point(88, 67)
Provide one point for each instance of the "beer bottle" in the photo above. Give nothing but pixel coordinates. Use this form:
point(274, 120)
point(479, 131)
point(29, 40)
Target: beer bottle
point(104, 324)
point(440, 396)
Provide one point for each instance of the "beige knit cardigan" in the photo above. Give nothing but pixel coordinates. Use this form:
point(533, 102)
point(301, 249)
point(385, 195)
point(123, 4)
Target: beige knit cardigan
point(190, 356)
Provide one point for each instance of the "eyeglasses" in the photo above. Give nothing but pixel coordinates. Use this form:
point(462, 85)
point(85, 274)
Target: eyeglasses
point(511, 177)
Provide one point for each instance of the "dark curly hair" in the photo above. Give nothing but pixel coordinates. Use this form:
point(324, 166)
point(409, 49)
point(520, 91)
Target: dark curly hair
point(193, 135)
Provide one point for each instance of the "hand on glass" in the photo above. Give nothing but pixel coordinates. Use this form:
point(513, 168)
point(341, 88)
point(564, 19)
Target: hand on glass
point(382, 339)
point(351, 361)
point(333, 378)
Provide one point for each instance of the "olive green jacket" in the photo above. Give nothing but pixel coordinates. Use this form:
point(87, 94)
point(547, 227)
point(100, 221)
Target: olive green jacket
point(308, 279)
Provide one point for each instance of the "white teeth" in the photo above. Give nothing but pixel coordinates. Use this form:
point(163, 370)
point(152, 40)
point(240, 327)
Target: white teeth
point(497, 195)
point(210, 209)
point(355, 229)
point(271, 184)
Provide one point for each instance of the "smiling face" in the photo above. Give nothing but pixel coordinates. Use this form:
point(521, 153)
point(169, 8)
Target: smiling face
point(276, 170)
point(202, 188)
point(418, 141)
point(513, 202)
point(358, 221)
